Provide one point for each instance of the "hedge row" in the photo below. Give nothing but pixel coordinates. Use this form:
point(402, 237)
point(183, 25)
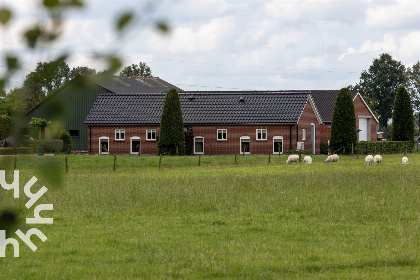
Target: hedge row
point(18, 150)
point(374, 147)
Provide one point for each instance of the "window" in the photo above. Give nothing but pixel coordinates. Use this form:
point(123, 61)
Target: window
point(261, 134)
point(304, 134)
point(103, 145)
point(119, 134)
point(198, 145)
point(221, 134)
point(245, 145)
point(151, 135)
point(135, 145)
point(278, 145)
point(74, 132)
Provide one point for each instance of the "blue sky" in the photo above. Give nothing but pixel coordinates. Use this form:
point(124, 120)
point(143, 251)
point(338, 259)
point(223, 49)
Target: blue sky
point(231, 44)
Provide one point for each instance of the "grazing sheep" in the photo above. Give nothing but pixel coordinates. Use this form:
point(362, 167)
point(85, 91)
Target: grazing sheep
point(293, 159)
point(332, 158)
point(307, 160)
point(369, 159)
point(377, 159)
point(404, 161)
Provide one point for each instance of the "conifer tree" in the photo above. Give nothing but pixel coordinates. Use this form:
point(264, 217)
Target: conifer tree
point(402, 117)
point(172, 136)
point(343, 124)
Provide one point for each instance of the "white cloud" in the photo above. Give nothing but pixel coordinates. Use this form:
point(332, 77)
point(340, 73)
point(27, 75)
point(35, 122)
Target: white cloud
point(392, 15)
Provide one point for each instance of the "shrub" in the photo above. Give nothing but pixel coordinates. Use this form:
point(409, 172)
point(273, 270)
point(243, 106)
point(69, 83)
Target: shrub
point(343, 124)
point(67, 142)
point(18, 150)
point(171, 126)
point(324, 148)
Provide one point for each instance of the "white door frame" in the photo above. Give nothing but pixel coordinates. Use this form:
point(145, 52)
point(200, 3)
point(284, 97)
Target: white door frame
point(240, 144)
point(131, 145)
point(278, 138)
point(100, 148)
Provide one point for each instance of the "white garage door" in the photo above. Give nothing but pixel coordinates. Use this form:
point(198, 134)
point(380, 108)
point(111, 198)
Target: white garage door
point(364, 130)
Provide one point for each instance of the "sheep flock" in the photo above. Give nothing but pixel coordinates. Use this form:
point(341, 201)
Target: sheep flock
point(369, 159)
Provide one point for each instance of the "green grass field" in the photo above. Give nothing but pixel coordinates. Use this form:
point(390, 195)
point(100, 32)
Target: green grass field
point(250, 220)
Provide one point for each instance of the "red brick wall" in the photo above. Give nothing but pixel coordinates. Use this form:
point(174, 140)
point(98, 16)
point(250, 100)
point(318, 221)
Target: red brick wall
point(121, 147)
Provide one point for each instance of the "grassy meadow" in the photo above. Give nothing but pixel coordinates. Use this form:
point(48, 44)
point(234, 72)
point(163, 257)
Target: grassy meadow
point(249, 220)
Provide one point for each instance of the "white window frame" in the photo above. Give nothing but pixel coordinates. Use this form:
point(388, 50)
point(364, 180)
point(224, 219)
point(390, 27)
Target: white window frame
point(304, 134)
point(261, 130)
point(198, 153)
point(224, 131)
point(100, 148)
point(118, 134)
point(131, 145)
point(278, 138)
point(147, 134)
point(240, 144)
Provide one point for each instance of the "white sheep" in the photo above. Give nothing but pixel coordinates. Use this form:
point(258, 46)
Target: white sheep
point(293, 159)
point(332, 158)
point(307, 160)
point(377, 159)
point(404, 161)
point(369, 159)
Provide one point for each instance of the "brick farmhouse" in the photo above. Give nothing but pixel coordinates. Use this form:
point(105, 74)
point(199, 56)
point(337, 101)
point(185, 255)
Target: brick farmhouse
point(250, 122)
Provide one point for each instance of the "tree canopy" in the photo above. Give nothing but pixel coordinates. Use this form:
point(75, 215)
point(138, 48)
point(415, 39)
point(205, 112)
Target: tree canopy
point(402, 117)
point(412, 84)
point(171, 133)
point(379, 84)
point(140, 70)
point(343, 124)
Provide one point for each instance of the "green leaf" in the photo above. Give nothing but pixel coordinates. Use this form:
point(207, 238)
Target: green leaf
point(32, 36)
point(5, 15)
point(124, 20)
point(12, 63)
point(51, 3)
point(114, 64)
point(162, 26)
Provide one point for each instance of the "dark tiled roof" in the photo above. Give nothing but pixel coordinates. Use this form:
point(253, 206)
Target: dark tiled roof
point(126, 85)
point(325, 101)
point(202, 108)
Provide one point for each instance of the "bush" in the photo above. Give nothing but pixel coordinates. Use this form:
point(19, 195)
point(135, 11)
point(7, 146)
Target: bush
point(324, 148)
point(67, 142)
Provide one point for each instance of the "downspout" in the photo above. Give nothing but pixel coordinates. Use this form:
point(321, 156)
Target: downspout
point(297, 133)
point(290, 138)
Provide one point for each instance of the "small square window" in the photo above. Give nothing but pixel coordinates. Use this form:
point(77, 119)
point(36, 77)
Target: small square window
point(151, 135)
point(261, 134)
point(222, 134)
point(119, 134)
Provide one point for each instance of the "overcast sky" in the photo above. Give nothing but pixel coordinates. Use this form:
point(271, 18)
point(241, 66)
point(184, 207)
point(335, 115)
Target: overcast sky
point(232, 44)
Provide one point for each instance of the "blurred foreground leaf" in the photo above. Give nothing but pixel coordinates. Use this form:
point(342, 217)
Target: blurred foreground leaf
point(50, 172)
point(124, 20)
point(8, 222)
point(5, 15)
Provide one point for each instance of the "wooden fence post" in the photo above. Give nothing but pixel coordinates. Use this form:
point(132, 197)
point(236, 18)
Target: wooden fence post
point(269, 158)
point(199, 160)
point(352, 148)
point(235, 158)
point(67, 166)
point(160, 159)
point(14, 165)
point(115, 162)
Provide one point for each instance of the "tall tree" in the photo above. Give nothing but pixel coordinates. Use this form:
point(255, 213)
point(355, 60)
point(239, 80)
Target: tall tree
point(402, 117)
point(47, 77)
point(81, 70)
point(343, 124)
point(172, 135)
point(412, 84)
point(141, 70)
point(379, 84)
